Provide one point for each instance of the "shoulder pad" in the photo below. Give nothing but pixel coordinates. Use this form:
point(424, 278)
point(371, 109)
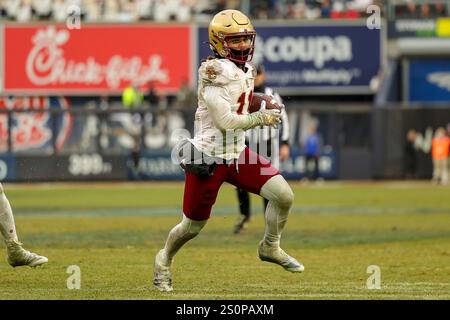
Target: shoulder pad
point(252, 66)
point(216, 72)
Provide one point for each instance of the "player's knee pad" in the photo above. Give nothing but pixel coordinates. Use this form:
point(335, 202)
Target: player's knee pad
point(285, 197)
point(278, 191)
point(192, 226)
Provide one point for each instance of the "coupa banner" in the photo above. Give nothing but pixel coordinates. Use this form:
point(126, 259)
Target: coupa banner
point(95, 59)
point(429, 81)
point(306, 59)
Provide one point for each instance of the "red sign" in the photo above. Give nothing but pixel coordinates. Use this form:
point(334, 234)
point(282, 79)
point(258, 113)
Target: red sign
point(95, 59)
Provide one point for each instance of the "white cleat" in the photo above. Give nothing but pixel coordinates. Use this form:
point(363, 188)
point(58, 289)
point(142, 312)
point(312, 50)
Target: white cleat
point(162, 278)
point(278, 256)
point(18, 256)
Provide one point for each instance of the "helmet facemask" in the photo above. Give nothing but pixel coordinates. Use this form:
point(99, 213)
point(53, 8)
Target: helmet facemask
point(238, 56)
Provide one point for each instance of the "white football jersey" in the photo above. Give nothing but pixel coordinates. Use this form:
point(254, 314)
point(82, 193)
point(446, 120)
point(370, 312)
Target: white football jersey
point(223, 88)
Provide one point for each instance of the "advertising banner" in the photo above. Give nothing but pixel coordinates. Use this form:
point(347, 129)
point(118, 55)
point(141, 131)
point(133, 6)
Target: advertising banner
point(7, 168)
point(155, 166)
point(33, 128)
point(159, 166)
point(82, 167)
point(95, 59)
point(419, 28)
point(308, 59)
point(429, 81)
point(296, 167)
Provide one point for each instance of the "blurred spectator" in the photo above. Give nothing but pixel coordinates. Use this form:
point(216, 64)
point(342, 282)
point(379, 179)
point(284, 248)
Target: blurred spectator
point(345, 10)
point(411, 156)
point(186, 102)
point(162, 10)
point(11, 7)
point(259, 10)
point(163, 101)
point(94, 10)
point(440, 10)
point(128, 11)
point(144, 9)
point(222, 5)
point(325, 9)
point(184, 10)
point(111, 12)
point(133, 98)
point(59, 10)
point(411, 10)
point(425, 11)
point(312, 10)
point(313, 145)
point(42, 8)
point(151, 97)
point(361, 5)
point(24, 13)
point(186, 97)
point(415, 10)
point(440, 147)
point(166, 10)
point(448, 135)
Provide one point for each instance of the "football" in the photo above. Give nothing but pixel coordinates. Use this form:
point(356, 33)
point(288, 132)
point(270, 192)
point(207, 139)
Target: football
point(255, 103)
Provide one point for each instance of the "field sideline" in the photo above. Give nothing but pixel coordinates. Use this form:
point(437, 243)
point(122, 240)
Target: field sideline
point(338, 229)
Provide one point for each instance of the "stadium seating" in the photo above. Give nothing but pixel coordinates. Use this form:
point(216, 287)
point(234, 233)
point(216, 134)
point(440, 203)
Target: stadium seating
point(177, 10)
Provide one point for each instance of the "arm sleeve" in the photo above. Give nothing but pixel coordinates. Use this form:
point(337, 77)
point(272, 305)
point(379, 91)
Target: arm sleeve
point(284, 139)
point(218, 103)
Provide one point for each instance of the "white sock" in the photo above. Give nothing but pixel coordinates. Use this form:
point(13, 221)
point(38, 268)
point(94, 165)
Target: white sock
point(186, 230)
point(280, 197)
point(7, 226)
point(276, 218)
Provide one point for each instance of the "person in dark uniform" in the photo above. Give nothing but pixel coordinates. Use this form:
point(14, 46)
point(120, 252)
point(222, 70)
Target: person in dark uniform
point(263, 139)
point(410, 155)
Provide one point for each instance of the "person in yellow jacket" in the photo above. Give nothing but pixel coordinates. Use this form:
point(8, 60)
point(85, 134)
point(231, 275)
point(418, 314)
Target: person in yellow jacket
point(132, 97)
point(440, 147)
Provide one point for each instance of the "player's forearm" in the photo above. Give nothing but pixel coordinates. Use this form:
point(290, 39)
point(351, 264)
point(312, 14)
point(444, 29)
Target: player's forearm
point(220, 110)
point(236, 122)
point(284, 127)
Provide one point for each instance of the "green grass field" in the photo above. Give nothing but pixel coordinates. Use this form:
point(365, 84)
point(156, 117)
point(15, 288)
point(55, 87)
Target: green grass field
point(112, 232)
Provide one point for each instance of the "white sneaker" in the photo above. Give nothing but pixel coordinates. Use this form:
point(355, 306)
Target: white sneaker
point(278, 256)
point(162, 278)
point(18, 256)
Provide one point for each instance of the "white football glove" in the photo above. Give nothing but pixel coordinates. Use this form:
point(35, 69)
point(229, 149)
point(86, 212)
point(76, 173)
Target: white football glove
point(270, 117)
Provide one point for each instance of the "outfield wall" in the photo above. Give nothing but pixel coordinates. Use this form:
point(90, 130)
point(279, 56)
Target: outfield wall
point(47, 141)
point(84, 144)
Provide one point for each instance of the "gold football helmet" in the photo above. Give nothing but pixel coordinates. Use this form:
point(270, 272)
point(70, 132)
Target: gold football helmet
point(230, 24)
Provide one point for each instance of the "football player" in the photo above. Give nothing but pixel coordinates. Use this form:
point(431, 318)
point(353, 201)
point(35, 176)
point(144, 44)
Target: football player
point(218, 154)
point(16, 255)
point(264, 139)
